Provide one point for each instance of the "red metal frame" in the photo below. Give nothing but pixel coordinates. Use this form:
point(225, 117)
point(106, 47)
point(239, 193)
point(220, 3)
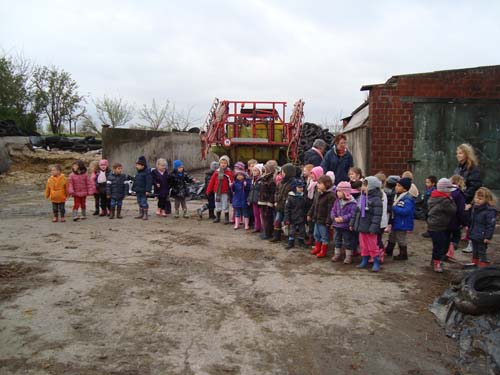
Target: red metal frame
point(226, 113)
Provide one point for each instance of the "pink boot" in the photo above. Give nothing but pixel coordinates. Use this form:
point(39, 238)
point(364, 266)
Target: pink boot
point(246, 220)
point(236, 223)
point(158, 212)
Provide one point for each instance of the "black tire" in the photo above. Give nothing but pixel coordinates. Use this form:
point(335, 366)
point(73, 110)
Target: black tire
point(329, 138)
point(194, 130)
point(481, 288)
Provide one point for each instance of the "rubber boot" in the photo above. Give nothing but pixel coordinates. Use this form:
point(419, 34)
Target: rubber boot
point(63, 220)
point(141, 214)
point(145, 214)
point(211, 213)
point(364, 262)
point(217, 218)
point(376, 264)
point(199, 211)
point(246, 221)
point(403, 253)
point(323, 251)
point(185, 214)
point(468, 249)
point(483, 264)
point(348, 257)
point(389, 249)
point(276, 235)
point(176, 214)
point(309, 240)
point(75, 215)
point(163, 213)
point(302, 243)
point(237, 223)
point(84, 214)
point(103, 212)
point(317, 248)
point(226, 218)
point(158, 211)
point(112, 216)
point(337, 255)
point(290, 244)
point(119, 213)
point(437, 266)
point(55, 219)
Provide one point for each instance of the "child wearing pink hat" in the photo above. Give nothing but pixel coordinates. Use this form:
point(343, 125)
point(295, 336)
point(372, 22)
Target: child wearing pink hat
point(342, 211)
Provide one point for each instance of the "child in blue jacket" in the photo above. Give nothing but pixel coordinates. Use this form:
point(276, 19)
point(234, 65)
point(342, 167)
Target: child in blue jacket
point(143, 182)
point(403, 210)
point(240, 188)
point(482, 225)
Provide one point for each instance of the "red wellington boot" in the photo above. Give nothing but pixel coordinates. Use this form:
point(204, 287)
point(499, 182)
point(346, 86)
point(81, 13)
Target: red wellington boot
point(316, 249)
point(324, 249)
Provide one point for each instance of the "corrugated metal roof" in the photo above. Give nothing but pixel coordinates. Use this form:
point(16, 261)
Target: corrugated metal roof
point(358, 119)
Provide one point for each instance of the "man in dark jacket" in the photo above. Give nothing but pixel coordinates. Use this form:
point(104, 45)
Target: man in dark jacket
point(295, 214)
point(143, 183)
point(338, 159)
point(315, 155)
point(116, 190)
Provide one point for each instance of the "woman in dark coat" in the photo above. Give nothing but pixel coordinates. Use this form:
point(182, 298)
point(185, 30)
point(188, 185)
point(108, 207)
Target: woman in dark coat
point(468, 168)
point(338, 159)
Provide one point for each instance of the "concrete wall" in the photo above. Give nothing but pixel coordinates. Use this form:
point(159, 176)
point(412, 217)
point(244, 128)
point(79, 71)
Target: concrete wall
point(126, 145)
point(5, 161)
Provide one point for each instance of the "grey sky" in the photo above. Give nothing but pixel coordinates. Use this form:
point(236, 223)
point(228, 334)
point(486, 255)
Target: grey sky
point(192, 51)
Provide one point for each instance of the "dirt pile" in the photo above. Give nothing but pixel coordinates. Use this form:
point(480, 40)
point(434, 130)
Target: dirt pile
point(32, 166)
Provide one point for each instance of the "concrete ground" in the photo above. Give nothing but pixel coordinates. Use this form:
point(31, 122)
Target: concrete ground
point(183, 296)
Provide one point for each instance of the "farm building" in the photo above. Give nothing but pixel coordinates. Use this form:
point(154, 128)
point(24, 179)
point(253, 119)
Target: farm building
point(416, 121)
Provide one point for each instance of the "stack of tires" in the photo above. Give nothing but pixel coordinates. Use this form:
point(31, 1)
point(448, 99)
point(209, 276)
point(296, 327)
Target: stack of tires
point(309, 133)
point(479, 292)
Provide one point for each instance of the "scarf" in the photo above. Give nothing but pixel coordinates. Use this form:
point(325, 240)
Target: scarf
point(399, 197)
point(318, 151)
point(339, 152)
point(101, 178)
point(311, 187)
point(363, 202)
point(220, 177)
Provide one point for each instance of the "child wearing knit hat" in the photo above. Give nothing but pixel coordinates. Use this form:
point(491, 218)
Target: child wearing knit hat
point(402, 213)
point(179, 181)
point(220, 185)
point(143, 182)
point(366, 221)
point(441, 210)
point(295, 214)
point(342, 211)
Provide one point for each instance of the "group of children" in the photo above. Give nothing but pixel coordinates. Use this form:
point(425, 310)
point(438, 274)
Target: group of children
point(304, 203)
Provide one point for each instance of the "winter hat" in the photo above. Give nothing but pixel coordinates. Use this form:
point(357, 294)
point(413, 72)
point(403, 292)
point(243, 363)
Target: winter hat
point(317, 172)
point(213, 165)
point(288, 170)
point(260, 167)
point(226, 158)
point(332, 176)
point(373, 183)
point(444, 185)
point(345, 187)
point(178, 164)
point(103, 163)
point(141, 160)
point(405, 182)
point(392, 181)
point(239, 166)
point(240, 172)
point(297, 182)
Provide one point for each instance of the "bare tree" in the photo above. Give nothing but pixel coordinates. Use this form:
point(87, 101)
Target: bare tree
point(88, 125)
point(114, 111)
point(156, 116)
point(180, 121)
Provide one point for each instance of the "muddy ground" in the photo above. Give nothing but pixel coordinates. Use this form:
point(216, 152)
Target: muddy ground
point(183, 296)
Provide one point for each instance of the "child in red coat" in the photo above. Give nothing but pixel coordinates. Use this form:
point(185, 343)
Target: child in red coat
point(219, 185)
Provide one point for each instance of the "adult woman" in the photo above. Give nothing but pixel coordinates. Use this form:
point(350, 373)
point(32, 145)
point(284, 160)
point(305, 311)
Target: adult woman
point(468, 168)
point(338, 159)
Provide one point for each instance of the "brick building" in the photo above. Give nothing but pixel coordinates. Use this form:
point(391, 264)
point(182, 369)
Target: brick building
point(415, 122)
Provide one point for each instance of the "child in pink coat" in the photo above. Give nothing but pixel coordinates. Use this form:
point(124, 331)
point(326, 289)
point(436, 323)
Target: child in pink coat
point(79, 186)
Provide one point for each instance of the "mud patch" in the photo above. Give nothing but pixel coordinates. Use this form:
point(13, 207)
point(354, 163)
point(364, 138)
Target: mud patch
point(249, 255)
point(16, 277)
point(8, 247)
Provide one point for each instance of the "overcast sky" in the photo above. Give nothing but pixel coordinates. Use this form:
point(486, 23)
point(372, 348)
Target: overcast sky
point(191, 51)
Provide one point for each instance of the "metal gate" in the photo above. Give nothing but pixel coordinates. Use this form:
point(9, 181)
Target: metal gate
point(440, 127)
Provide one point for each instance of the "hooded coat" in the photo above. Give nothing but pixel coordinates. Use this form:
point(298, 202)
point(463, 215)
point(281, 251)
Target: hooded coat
point(370, 222)
point(178, 182)
point(268, 190)
point(295, 208)
point(322, 207)
point(162, 180)
point(213, 185)
point(79, 184)
point(403, 212)
point(483, 221)
point(345, 210)
point(441, 209)
point(240, 191)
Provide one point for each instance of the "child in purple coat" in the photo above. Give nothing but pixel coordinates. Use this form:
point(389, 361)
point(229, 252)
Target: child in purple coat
point(342, 211)
point(161, 187)
point(240, 188)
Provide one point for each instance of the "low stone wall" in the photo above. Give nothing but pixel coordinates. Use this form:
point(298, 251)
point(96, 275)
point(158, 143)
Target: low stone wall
point(5, 161)
point(126, 145)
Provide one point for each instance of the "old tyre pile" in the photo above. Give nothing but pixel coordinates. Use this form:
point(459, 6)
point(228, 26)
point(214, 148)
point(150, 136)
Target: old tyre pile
point(8, 128)
point(309, 133)
point(469, 312)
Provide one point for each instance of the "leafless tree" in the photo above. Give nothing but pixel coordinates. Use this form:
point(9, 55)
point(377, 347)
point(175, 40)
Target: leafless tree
point(114, 111)
point(180, 121)
point(156, 116)
point(88, 125)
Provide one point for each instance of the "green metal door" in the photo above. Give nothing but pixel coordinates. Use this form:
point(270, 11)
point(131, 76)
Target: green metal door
point(440, 127)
